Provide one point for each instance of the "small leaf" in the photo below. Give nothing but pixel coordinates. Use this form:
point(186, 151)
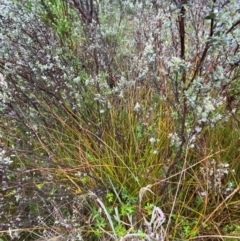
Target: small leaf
point(210, 16)
point(39, 186)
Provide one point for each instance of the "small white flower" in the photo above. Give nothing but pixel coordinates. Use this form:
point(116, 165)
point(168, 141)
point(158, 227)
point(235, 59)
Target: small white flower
point(152, 140)
point(76, 80)
point(226, 165)
point(203, 193)
point(198, 129)
point(137, 107)
point(213, 162)
point(192, 146)
point(226, 171)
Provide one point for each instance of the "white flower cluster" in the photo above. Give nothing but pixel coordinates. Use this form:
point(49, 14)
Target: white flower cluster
point(206, 110)
point(202, 104)
point(215, 174)
point(154, 142)
point(5, 160)
point(174, 139)
point(149, 52)
point(3, 92)
point(137, 107)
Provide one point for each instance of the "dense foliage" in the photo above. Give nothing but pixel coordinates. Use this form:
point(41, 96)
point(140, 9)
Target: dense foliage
point(119, 120)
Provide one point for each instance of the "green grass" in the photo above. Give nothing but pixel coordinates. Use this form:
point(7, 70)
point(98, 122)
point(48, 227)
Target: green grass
point(126, 175)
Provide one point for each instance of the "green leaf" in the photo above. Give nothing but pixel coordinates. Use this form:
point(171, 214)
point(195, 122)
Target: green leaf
point(40, 185)
point(211, 16)
point(120, 230)
point(110, 197)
